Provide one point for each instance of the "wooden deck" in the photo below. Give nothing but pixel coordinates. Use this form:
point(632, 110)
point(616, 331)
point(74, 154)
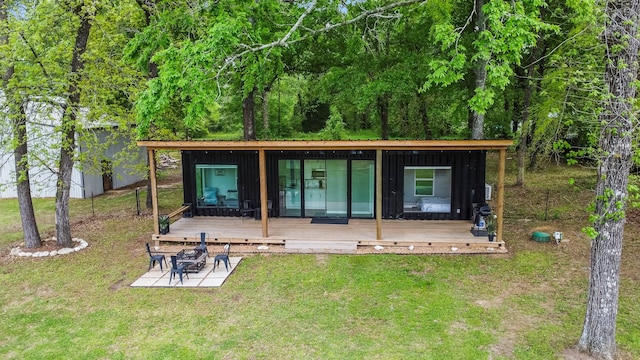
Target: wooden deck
point(397, 235)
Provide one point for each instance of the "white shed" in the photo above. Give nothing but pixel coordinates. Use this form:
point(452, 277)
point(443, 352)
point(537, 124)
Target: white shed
point(87, 180)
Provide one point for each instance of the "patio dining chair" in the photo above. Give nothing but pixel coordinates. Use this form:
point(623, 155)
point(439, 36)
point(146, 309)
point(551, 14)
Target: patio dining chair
point(224, 257)
point(203, 243)
point(247, 209)
point(155, 257)
point(177, 269)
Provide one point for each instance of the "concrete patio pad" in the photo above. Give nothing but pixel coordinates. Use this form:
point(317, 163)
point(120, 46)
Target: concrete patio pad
point(204, 278)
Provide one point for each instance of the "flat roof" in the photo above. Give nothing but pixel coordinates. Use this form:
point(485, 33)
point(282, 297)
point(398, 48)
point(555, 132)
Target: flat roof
point(328, 145)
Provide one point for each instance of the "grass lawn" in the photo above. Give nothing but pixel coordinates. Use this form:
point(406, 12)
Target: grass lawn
point(528, 304)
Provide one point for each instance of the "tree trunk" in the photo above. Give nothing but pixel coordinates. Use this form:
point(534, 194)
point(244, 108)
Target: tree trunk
point(524, 128)
point(27, 214)
point(265, 113)
point(480, 72)
point(620, 37)
point(23, 184)
point(152, 68)
point(68, 130)
point(18, 118)
point(527, 127)
point(248, 115)
point(383, 110)
point(153, 73)
point(533, 158)
point(424, 117)
point(149, 200)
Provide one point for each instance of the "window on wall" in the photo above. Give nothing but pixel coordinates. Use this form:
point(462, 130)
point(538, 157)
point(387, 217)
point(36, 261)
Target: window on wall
point(427, 189)
point(424, 182)
point(217, 185)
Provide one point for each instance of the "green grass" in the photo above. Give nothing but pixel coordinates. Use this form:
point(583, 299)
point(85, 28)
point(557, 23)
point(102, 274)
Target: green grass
point(526, 305)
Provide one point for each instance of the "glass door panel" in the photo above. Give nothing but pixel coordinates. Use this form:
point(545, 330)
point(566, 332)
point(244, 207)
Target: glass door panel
point(315, 180)
point(290, 188)
point(362, 188)
point(336, 188)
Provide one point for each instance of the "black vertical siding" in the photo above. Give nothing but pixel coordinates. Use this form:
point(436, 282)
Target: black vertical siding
point(248, 177)
point(467, 180)
point(273, 182)
point(467, 167)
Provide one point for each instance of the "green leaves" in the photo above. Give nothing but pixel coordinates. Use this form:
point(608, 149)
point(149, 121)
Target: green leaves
point(512, 29)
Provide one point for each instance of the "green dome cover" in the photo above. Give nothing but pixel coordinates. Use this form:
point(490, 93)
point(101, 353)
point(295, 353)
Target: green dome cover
point(540, 236)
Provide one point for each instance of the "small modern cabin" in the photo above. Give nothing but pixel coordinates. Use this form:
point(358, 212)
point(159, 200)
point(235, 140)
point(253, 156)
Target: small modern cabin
point(417, 180)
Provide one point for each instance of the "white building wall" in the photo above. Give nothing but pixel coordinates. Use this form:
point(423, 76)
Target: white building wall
point(44, 147)
point(42, 181)
point(123, 172)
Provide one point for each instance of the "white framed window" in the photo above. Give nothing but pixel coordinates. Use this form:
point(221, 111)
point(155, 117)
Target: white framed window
point(427, 189)
point(423, 180)
point(217, 185)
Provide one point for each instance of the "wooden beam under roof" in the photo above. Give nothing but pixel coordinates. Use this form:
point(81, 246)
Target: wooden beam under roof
point(329, 145)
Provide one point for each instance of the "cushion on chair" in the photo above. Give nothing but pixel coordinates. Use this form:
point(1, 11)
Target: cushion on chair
point(211, 196)
point(232, 199)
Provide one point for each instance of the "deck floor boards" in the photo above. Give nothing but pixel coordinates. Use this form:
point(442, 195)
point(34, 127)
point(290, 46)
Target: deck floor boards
point(363, 231)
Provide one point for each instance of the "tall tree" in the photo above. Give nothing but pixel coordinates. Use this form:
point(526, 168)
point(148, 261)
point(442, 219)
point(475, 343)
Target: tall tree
point(480, 74)
point(70, 110)
point(618, 120)
point(526, 80)
point(490, 52)
point(15, 106)
point(147, 7)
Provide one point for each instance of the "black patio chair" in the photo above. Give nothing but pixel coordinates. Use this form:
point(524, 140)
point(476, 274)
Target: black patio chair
point(177, 269)
point(247, 209)
point(224, 257)
point(203, 243)
point(155, 257)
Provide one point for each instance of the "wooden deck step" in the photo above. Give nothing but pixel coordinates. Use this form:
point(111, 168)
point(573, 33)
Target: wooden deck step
point(312, 246)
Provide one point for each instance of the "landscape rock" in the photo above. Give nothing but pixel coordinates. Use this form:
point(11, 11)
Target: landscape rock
point(82, 244)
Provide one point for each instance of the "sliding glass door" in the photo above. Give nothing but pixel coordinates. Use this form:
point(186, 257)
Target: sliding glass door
point(325, 188)
point(315, 188)
point(362, 188)
point(336, 188)
point(290, 188)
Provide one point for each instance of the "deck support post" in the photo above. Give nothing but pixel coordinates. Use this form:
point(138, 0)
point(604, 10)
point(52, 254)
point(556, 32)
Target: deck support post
point(154, 191)
point(264, 210)
point(378, 194)
point(500, 208)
